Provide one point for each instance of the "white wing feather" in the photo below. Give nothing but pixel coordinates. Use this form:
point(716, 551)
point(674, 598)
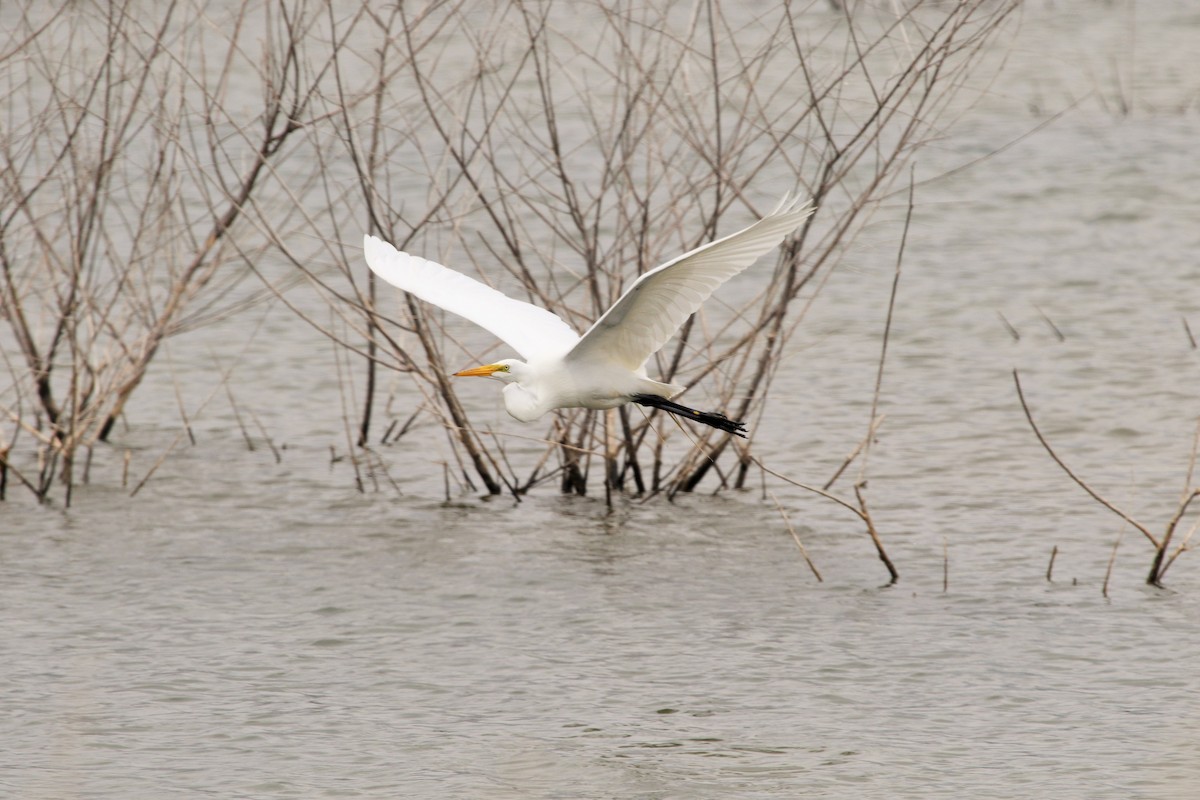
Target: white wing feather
point(659, 302)
point(531, 331)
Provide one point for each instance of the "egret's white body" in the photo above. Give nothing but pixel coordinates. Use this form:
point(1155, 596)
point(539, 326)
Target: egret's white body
point(605, 367)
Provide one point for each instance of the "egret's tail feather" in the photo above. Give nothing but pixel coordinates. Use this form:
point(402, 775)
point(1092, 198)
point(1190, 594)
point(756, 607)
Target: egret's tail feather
point(713, 418)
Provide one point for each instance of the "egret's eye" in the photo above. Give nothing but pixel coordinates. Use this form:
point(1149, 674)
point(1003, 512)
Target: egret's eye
point(504, 368)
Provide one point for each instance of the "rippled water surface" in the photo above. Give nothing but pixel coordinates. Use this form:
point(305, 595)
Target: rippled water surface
point(250, 629)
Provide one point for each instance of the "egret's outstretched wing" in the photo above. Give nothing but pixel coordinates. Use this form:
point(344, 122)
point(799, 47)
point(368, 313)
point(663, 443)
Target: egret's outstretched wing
point(528, 329)
point(660, 301)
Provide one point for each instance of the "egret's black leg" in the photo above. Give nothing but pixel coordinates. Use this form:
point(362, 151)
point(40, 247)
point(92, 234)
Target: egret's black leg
point(713, 418)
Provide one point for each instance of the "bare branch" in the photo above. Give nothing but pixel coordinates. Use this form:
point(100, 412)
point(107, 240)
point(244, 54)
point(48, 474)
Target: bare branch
point(1070, 474)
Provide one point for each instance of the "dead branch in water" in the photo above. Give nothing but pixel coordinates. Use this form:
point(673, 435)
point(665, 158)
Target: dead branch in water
point(860, 510)
point(1164, 557)
point(796, 538)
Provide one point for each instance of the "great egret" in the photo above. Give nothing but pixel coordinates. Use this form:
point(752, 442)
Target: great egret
point(606, 367)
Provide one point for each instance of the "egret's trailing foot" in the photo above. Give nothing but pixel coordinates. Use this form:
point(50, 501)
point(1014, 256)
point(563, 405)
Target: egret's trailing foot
point(713, 418)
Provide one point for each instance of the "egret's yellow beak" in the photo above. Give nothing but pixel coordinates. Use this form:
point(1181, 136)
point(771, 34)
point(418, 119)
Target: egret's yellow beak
point(480, 372)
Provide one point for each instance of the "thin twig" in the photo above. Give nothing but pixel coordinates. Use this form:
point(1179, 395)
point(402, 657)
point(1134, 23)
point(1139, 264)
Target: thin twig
point(1016, 336)
point(887, 327)
point(1079, 481)
point(874, 534)
point(796, 538)
point(266, 437)
point(945, 565)
point(237, 416)
point(854, 453)
point(1112, 558)
point(1046, 318)
point(844, 504)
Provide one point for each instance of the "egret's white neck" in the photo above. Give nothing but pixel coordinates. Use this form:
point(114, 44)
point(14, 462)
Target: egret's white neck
point(521, 403)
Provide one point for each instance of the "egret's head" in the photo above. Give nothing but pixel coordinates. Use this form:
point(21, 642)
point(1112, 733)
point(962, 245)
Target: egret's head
point(507, 371)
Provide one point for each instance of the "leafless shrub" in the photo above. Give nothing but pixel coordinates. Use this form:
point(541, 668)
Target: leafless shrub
point(136, 135)
point(562, 149)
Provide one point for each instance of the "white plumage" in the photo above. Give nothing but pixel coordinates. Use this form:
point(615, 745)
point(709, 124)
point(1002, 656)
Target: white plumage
point(604, 368)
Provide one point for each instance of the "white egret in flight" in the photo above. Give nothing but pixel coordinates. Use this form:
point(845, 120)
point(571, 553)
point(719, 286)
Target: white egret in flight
point(606, 367)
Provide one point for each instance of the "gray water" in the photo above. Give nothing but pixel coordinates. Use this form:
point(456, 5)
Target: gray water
point(244, 628)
